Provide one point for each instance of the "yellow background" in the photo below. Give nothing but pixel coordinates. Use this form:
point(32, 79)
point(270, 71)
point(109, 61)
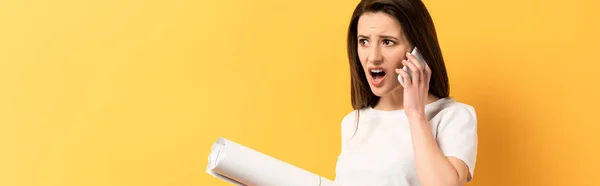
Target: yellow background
point(134, 92)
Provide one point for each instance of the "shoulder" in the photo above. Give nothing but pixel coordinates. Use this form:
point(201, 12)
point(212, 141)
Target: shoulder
point(349, 116)
point(347, 126)
point(349, 122)
point(459, 108)
point(453, 110)
point(349, 119)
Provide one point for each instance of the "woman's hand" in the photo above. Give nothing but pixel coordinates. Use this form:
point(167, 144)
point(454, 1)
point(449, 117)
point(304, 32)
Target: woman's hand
point(416, 90)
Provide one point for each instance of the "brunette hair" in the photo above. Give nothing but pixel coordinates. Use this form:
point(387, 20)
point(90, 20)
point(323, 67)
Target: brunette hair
point(418, 27)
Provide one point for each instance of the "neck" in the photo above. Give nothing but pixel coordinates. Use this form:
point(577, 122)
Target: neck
point(395, 100)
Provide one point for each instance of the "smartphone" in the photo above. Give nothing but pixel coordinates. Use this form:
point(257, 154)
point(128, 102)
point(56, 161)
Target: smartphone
point(415, 52)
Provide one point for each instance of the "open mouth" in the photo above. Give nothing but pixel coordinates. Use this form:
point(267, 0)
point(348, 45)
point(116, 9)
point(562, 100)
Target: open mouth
point(377, 74)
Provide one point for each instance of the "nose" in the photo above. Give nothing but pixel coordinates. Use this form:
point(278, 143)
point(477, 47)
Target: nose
point(375, 56)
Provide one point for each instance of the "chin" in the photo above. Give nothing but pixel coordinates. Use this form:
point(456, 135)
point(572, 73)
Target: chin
point(380, 91)
point(385, 89)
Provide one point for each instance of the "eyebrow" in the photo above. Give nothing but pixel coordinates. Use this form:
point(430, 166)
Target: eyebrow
point(383, 36)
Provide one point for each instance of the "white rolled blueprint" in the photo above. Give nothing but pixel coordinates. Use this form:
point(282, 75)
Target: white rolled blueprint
point(240, 165)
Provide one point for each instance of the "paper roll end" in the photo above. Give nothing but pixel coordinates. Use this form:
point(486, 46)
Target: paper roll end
point(216, 154)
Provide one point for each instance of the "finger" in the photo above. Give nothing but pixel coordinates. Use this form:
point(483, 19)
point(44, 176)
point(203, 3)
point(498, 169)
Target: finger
point(415, 61)
point(403, 78)
point(419, 66)
point(415, 72)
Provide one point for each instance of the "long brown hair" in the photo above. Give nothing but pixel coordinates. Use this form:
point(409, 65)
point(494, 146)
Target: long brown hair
point(418, 26)
point(420, 31)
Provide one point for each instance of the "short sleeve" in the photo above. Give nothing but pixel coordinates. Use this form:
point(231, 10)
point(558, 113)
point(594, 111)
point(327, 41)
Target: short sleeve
point(347, 128)
point(457, 135)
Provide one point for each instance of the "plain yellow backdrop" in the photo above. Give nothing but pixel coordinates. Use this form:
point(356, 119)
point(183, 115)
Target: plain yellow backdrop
point(133, 92)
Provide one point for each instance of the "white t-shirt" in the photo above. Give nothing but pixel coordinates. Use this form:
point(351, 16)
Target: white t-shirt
point(381, 152)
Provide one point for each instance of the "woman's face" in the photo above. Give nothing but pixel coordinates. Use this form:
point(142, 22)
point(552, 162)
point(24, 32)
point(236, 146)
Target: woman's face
point(382, 46)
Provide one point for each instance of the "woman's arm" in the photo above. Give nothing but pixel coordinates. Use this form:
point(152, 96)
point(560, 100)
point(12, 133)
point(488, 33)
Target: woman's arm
point(433, 167)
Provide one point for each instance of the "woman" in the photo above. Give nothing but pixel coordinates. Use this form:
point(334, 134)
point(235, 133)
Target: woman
point(400, 135)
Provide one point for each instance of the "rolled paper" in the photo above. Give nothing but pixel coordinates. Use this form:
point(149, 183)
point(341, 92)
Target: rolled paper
point(241, 165)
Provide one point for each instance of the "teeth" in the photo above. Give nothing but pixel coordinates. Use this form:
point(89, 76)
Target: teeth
point(376, 70)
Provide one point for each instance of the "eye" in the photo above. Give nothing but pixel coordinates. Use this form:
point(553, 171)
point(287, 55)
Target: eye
point(388, 42)
point(363, 42)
